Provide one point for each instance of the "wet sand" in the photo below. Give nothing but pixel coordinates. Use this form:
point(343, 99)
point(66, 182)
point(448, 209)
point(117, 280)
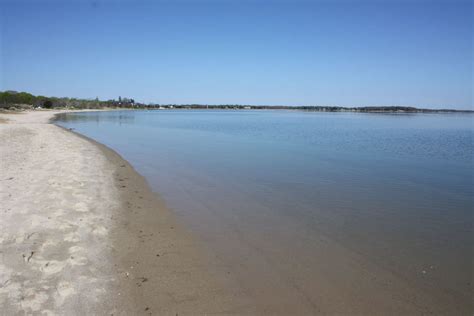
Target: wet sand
point(81, 233)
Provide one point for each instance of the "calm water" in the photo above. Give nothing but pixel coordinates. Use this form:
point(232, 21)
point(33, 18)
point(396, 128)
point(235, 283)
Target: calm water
point(256, 186)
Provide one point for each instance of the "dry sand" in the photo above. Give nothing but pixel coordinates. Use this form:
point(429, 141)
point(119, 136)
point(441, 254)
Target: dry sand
point(82, 234)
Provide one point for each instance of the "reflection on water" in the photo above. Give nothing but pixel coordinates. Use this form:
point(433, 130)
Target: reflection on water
point(119, 117)
point(264, 189)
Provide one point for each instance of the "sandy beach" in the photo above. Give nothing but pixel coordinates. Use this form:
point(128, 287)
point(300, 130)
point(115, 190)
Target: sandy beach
point(81, 233)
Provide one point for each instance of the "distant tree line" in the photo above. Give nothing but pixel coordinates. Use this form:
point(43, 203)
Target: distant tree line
point(24, 100)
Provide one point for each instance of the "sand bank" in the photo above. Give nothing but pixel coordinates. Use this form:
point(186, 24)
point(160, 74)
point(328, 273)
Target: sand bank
point(81, 233)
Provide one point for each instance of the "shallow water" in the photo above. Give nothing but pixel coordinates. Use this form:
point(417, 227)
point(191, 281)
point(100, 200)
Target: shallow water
point(264, 191)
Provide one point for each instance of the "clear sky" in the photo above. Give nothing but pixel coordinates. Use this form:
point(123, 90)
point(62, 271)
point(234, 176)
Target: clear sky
point(348, 53)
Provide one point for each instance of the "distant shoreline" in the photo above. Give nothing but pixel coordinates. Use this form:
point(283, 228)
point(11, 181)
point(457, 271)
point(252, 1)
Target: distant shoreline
point(373, 110)
point(13, 100)
point(381, 109)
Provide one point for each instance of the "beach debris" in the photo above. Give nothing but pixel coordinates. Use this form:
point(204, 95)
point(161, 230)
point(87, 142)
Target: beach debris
point(27, 259)
point(142, 279)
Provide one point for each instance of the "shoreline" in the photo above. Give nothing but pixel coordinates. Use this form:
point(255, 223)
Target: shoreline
point(152, 266)
point(138, 254)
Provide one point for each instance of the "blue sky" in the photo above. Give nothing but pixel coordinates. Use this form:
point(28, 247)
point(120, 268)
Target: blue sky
point(348, 53)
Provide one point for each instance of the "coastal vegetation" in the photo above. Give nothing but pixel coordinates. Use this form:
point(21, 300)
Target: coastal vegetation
point(22, 100)
point(13, 100)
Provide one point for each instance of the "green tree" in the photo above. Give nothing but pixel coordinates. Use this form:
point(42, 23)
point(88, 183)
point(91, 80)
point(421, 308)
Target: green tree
point(47, 104)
